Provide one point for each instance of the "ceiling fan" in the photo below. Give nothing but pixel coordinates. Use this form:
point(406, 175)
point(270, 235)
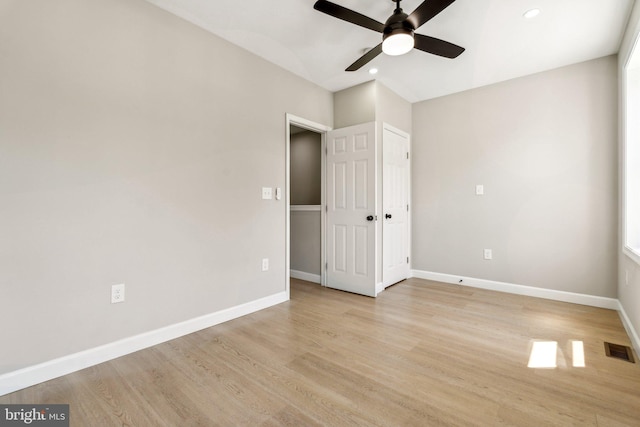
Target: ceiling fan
point(398, 33)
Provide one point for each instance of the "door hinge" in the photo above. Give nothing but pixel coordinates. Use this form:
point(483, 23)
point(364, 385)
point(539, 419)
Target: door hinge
point(326, 208)
point(326, 151)
point(407, 207)
point(326, 265)
point(407, 154)
point(407, 260)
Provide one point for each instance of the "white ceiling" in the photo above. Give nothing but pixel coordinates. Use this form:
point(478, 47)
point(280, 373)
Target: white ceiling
point(500, 44)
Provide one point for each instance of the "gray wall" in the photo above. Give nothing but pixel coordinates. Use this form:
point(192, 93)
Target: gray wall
point(368, 102)
point(392, 109)
point(306, 173)
point(121, 160)
point(355, 105)
point(545, 149)
point(629, 290)
point(305, 241)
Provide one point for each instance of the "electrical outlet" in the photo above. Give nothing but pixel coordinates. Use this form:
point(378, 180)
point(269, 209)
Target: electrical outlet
point(488, 254)
point(479, 190)
point(265, 264)
point(117, 293)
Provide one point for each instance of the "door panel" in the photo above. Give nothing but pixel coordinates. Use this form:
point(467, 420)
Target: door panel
point(340, 248)
point(360, 238)
point(361, 184)
point(351, 191)
point(339, 176)
point(395, 199)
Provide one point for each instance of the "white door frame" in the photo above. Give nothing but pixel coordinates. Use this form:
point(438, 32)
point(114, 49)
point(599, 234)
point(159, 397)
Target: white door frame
point(291, 119)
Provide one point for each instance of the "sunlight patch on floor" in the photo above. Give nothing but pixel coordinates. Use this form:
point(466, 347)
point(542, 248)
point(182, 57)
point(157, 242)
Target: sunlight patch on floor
point(577, 353)
point(544, 355)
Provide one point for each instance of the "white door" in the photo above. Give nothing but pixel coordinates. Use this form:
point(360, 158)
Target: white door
point(395, 202)
point(351, 202)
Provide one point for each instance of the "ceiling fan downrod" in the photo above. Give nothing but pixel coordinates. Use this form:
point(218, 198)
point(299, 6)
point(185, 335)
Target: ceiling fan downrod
point(398, 8)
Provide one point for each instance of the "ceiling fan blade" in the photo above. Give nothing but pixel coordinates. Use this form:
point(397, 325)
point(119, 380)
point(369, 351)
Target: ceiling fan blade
point(365, 58)
point(348, 15)
point(437, 46)
point(427, 10)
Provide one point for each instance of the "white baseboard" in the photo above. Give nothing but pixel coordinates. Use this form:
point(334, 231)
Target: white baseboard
point(584, 299)
point(26, 377)
point(628, 326)
point(309, 277)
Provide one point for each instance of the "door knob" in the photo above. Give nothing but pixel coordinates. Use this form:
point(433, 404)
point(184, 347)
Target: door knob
point(388, 216)
point(370, 218)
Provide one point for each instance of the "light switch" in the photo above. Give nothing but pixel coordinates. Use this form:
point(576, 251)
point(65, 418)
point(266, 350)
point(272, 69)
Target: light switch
point(266, 193)
point(479, 190)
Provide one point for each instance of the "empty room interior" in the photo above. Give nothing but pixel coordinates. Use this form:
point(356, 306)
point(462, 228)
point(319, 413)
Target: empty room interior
point(259, 213)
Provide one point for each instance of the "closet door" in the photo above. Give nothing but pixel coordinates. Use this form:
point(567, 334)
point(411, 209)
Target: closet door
point(395, 203)
point(351, 215)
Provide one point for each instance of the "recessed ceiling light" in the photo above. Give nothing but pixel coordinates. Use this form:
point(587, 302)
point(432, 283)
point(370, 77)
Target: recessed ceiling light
point(531, 13)
point(373, 70)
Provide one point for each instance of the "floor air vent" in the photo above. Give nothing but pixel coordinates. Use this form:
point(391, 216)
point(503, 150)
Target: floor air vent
point(619, 352)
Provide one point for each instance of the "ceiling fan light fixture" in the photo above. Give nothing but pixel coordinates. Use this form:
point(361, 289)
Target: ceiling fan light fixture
point(398, 42)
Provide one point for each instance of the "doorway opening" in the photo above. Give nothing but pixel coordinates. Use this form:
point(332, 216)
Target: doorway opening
point(305, 197)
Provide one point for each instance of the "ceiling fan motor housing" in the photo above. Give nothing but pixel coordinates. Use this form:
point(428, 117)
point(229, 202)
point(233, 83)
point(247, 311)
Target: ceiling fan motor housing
point(397, 24)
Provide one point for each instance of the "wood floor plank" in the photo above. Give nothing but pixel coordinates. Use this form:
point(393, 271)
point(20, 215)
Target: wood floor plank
point(422, 353)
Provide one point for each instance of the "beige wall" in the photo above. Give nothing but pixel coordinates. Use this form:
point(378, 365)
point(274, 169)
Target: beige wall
point(629, 270)
point(133, 147)
point(544, 147)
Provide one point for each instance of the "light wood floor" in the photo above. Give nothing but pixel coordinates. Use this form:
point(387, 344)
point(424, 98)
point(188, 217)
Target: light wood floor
point(422, 354)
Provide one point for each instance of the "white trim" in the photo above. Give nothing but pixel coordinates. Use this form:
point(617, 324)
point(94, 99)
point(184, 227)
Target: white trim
point(26, 377)
point(625, 175)
point(628, 326)
point(323, 212)
point(287, 205)
point(309, 277)
point(380, 287)
point(305, 208)
point(575, 298)
point(631, 253)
